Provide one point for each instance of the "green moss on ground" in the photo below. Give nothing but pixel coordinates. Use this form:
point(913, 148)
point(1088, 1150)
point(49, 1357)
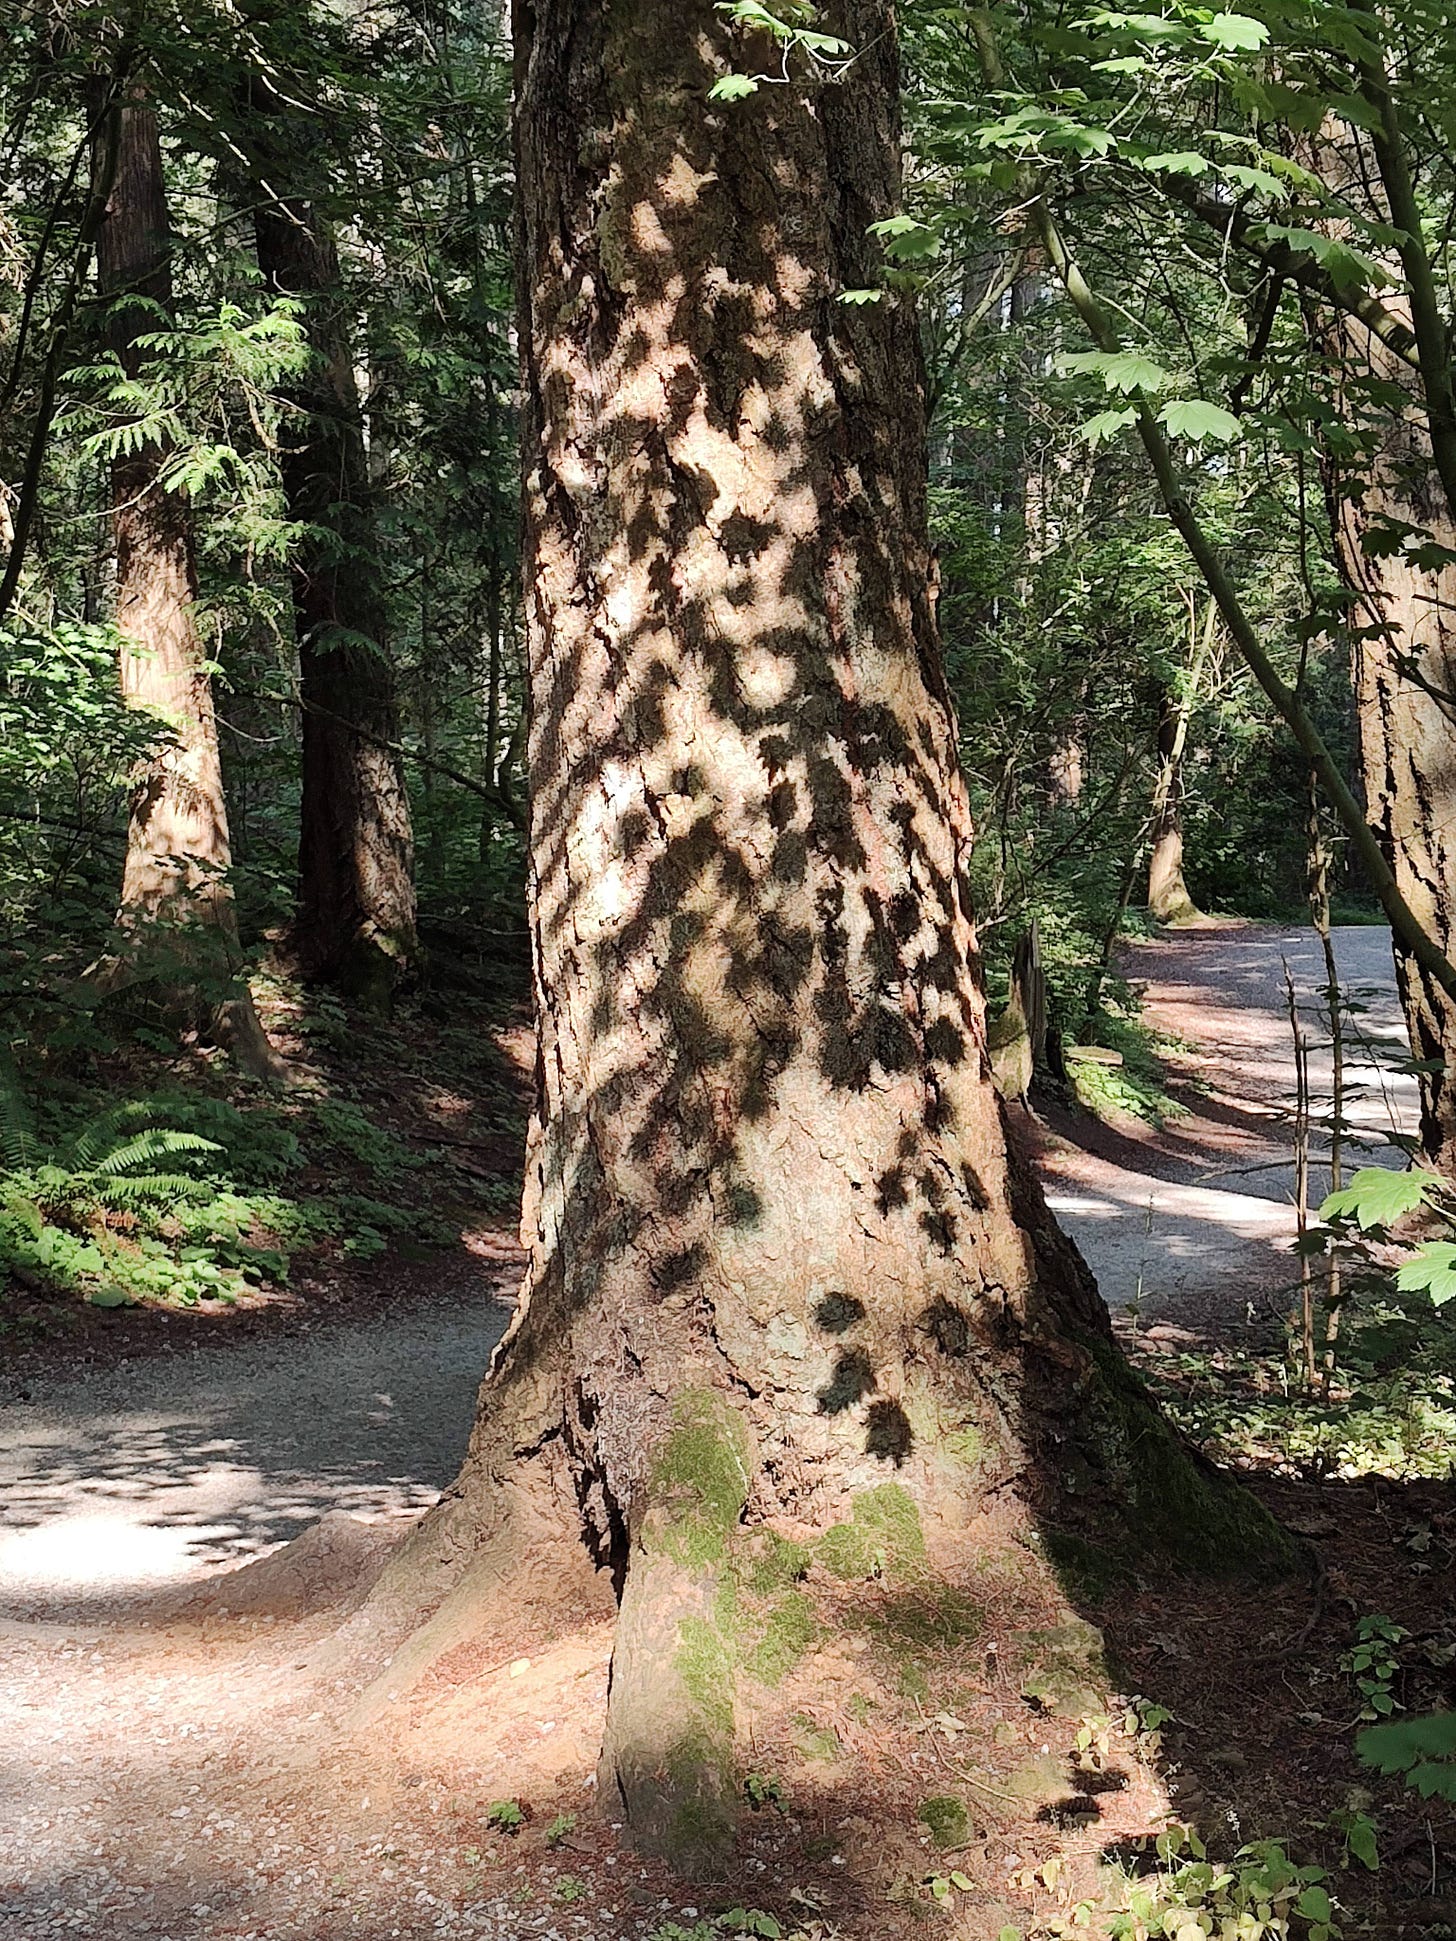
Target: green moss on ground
point(1065, 1668)
point(948, 1820)
point(775, 1564)
point(789, 1632)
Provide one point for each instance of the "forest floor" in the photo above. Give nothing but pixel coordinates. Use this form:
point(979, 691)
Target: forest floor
point(175, 1766)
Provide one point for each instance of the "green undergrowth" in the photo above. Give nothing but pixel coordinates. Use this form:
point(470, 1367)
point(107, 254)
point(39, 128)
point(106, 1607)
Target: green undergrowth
point(183, 1199)
point(1391, 1409)
point(1138, 1086)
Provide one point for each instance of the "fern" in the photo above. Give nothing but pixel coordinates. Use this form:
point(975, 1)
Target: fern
point(149, 1189)
point(88, 1149)
point(148, 1147)
point(17, 1128)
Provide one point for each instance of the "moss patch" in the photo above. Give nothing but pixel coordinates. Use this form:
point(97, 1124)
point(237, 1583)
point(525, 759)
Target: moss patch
point(1173, 1503)
point(1083, 1568)
point(1065, 1669)
point(788, 1634)
point(929, 1618)
point(700, 1765)
point(912, 1682)
point(947, 1819)
point(817, 1742)
point(700, 1480)
point(704, 1662)
point(883, 1537)
point(775, 1564)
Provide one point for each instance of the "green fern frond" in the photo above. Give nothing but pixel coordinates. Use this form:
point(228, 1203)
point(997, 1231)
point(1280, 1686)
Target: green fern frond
point(17, 1128)
point(145, 1148)
point(148, 1189)
point(122, 1122)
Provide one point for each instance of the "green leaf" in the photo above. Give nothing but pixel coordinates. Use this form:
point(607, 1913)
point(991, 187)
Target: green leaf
point(1346, 267)
point(1180, 161)
point(860, 297)
point(1106, 425)
point(1257, 180)
point(1143, 26)
point(1360, 1839)
point(732, 87)
point(1430, 1270)
point(905, 239)
point(109, 1296)
point(1195, 419)
point(1235, 31)
point(1124, 370)
point(1314, 1904)
point(1376, 1196)
point(1423, 1749)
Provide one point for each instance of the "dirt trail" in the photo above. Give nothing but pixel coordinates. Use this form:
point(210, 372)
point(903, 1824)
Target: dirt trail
point(166, 1780)
point(1191, 1224)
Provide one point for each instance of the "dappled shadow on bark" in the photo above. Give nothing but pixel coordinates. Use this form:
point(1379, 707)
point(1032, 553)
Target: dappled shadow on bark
point(779, 1259)
point(763, 1066)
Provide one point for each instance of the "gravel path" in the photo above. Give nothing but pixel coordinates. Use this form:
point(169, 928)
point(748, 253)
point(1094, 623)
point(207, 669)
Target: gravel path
point(146, 1475)
point(1191, 1224)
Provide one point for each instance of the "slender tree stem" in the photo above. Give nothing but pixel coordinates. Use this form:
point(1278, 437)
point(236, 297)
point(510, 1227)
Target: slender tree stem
point(1403, 921)
point(108, 139)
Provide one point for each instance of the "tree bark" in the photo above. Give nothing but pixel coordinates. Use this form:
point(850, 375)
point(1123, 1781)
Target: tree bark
point(1169, 900)
point(784, 1278)
point(1403, 630)
point(355, 924)
point(176, 900)
point(1403, 618)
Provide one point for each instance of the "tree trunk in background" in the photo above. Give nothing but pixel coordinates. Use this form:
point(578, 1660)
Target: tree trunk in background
point(355, 925)
point(1168, 897)
point(176, 901)
point(1403, 622)
point(783, 1277)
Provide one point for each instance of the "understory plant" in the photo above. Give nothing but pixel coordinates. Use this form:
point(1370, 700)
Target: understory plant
point(182, 1198)
point(1258, 1895)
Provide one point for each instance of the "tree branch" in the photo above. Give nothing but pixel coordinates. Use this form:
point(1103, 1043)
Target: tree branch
point(1296, 267)
point(1414, 938)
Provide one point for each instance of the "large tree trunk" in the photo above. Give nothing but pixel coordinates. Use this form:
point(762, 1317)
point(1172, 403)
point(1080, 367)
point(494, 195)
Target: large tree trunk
point(1404, 619)
point(176, 901)
point(355, 924)
point(783, 1279)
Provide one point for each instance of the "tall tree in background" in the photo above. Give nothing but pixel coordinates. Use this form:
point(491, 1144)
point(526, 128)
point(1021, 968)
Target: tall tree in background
point(1393, 526)
point(782, 1272)
point(176, 900)
point(355, 924)
point(1169, 899)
